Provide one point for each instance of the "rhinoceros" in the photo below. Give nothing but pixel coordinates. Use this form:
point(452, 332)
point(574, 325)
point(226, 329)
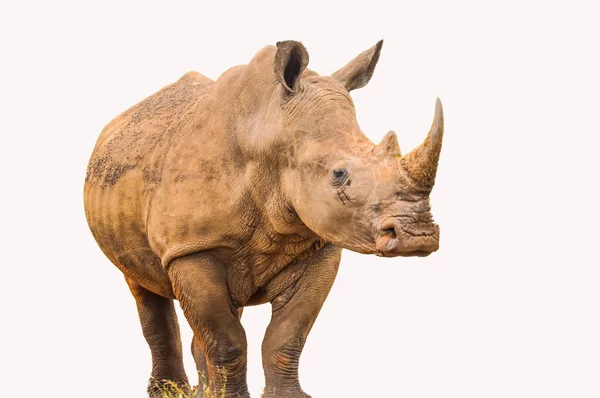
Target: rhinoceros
point(244, 191)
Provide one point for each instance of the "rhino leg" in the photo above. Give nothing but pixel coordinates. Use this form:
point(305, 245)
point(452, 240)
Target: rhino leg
point(294, 312)
point(161, 330)
point(200, 358)
point(200, 285)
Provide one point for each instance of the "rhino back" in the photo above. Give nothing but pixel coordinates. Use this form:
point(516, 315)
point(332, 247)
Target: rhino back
point(140, 136)
point(125, 170)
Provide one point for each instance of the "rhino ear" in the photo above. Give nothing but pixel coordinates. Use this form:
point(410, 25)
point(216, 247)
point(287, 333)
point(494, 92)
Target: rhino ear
point(290, 61)
point(358, 72)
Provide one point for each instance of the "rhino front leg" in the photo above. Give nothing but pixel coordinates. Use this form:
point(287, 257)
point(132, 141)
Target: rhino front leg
point(295, 309)
point(200, 359)
point(199, 283)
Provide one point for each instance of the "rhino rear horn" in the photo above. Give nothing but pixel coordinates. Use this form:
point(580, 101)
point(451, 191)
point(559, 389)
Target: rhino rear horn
point(421, 163)
point(290, 61)
point(388, 146)
point(358, 72)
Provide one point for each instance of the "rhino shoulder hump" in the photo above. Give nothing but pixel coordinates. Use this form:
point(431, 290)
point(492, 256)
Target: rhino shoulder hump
point(195, 78)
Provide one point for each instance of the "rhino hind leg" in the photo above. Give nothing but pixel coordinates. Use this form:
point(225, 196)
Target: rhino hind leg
point(200, 285)
point(161, 330)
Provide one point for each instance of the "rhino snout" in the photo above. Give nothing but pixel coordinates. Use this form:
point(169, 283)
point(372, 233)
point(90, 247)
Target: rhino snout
point(398, 238)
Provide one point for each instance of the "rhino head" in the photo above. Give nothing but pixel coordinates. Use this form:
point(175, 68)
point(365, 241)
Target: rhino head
point(364, 197)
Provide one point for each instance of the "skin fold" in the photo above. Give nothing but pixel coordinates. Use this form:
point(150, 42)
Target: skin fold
point(243, 191)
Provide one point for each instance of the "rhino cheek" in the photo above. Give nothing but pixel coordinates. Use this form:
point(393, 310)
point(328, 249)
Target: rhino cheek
point(339, 227)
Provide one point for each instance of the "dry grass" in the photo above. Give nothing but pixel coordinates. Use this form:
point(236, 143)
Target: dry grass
point(170, 389)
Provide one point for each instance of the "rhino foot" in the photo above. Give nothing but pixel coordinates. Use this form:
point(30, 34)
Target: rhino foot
point(162, 388)
point(284, 393)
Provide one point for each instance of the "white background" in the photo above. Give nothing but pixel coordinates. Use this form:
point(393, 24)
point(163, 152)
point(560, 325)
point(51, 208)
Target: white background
point(509, 306)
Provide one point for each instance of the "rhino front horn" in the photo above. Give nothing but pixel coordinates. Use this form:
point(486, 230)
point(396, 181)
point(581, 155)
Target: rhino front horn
point(421, 163)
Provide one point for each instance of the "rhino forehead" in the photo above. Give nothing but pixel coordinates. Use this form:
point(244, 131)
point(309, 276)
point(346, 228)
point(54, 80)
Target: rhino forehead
point(319, 114)
point(319, 96)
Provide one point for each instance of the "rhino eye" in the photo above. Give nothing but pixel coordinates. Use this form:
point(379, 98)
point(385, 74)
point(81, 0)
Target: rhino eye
point(338, 177)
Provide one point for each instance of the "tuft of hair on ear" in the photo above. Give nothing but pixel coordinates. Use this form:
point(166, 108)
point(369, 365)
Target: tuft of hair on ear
point(290, 61)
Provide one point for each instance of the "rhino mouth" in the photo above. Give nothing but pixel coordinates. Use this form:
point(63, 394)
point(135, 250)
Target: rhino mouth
point(418, 253)
point(407, 240)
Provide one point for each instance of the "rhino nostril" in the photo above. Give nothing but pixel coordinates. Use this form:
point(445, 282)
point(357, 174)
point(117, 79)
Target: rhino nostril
point(391, 232)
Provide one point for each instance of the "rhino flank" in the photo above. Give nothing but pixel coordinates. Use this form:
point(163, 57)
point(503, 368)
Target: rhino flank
point(243, 191)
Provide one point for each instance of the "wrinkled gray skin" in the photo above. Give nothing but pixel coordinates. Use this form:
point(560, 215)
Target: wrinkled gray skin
point(242, 191)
